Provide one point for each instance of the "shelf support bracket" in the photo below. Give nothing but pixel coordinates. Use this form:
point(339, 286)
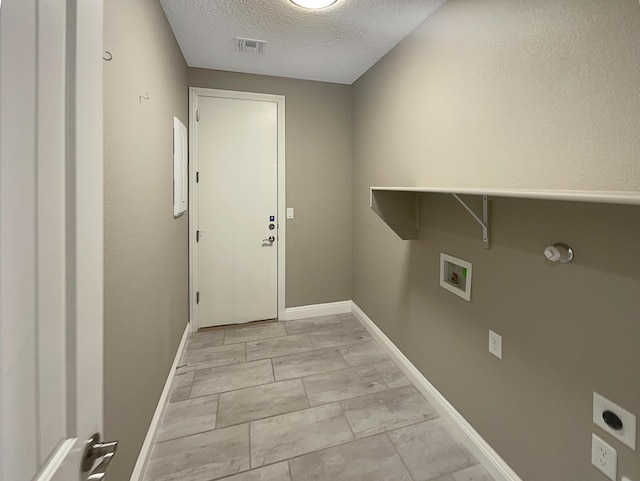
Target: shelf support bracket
point(485, 217)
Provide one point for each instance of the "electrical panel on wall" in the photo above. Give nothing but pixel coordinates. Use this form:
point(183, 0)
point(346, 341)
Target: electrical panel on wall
point(180, 164)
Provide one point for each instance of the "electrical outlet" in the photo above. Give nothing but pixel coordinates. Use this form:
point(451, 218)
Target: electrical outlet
point(604, 457)
point(495, 344)
point(625, 430)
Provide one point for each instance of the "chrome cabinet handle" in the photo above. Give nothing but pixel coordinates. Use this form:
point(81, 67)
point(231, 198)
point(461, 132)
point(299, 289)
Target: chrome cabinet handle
point(95, 450)
point(271, 239)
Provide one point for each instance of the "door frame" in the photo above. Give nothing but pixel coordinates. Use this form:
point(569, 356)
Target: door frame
point(194, 94)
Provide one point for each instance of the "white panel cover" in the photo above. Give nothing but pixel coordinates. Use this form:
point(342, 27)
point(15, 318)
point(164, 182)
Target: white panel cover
point(180, 164)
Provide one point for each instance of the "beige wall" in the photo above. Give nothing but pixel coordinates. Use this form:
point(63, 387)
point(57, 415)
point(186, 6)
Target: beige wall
point(511, 93)
point(318, 185)
point(146, 283)
point(515, 94)
point(496, 93)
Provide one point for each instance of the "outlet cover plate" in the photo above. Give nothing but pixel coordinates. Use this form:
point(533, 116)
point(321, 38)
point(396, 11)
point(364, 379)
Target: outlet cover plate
point(495, 344)
point(627, 434)
point(604, 457)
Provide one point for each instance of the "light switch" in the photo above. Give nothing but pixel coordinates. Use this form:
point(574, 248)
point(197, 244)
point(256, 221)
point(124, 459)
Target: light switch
point(289, 212)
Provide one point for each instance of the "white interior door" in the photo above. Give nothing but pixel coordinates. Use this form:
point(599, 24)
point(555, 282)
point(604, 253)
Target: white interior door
point(50, 237)
point(237, 223)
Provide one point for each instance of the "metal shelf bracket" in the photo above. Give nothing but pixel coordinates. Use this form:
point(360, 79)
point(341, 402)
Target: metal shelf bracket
point(485, 217)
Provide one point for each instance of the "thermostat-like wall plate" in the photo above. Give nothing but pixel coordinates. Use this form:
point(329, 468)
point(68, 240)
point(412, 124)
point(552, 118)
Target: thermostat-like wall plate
point(455, 275)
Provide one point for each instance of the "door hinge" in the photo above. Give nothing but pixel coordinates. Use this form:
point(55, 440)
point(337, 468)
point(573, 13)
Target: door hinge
point(198, 297)
point(197, 115)
point(197, 177)
point(197, 236)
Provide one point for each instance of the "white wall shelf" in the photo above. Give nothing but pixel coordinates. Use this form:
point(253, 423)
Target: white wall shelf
point(399, 207)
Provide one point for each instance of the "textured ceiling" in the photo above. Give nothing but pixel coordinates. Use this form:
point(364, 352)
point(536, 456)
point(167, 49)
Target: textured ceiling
point(337, 44)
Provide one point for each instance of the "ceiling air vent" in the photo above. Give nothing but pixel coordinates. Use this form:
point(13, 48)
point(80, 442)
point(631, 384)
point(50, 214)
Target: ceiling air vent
point(250, 45)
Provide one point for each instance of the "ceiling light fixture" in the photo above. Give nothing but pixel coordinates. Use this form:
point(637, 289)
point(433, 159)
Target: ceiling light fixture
point(314, 4)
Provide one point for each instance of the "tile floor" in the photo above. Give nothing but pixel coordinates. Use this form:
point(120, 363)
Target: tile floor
point(307, 400)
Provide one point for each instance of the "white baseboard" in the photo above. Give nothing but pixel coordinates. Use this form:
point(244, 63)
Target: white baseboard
point(316, 310)
point(487, 456)
point(147, 445)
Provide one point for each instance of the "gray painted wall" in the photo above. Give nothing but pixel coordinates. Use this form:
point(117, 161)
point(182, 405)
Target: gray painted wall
point(489, 93)
point(318, 184)
point(146, 261)
point(511, 93)
point(146, 283)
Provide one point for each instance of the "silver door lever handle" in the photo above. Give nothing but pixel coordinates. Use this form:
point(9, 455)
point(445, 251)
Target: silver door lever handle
point(95, 450)
point(270, 239)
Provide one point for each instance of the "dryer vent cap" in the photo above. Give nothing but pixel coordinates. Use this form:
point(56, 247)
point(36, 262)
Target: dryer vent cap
point(250, 45)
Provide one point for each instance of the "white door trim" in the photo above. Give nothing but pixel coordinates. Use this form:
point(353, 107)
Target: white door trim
point(194, 93)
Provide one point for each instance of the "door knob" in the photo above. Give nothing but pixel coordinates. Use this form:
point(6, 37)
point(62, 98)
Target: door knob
point(95, 450)
point(270, 239)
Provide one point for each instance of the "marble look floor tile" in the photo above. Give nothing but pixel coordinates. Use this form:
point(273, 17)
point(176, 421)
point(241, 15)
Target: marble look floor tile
point(391, 374)
point(201, 457)
point(213, 357)
point(260, 402)
point(253, 332)
point(473, 473)
point(347, 315)
point(307, 363)
point(204, 339)
point(363, 353)
point(386, 410)
point(370, 459)
point(311, 324)
point(323, 324)
point(191, 416)
point(274, 472)
point(181, 388)
point(229, 378)
point(278, 346)
point(350, 323)
point(289, 435)
point(343, 384)
point(347, 333)
point(429, 450)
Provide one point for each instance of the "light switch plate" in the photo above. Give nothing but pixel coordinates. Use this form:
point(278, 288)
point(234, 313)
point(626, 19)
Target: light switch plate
point(627, 434)
point(289, 212)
